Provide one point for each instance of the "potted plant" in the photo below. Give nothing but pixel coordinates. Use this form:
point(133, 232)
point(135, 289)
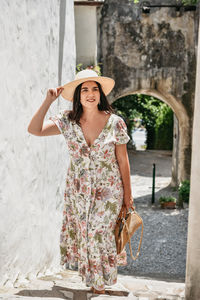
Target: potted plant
point(94, 67)
point(184, 193)
point(167, 202)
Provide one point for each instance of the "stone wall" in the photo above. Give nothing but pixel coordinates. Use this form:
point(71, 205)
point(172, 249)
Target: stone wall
point(153, 54)
point(37, 51)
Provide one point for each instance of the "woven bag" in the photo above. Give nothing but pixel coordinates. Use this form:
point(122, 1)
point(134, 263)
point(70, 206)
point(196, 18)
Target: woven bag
point(126, 225)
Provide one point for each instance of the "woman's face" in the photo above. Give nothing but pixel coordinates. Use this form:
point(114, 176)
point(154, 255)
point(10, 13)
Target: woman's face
point(90, 94)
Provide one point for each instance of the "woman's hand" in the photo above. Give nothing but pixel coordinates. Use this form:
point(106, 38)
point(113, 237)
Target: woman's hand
point(53, 94)
point(128, 202)
point(37, 126)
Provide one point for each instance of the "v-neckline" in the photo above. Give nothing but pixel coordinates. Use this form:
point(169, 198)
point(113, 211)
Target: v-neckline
point(97, 136)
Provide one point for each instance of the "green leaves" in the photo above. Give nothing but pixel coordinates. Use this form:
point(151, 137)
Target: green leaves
point(98, 237)
point(156, 116)
point(164, 199)
point(164, 128)
point(72, 167)
point(72, 234)
point(190, 2)
point(94, 67)
point(135, 1)
point(112, 207)
point(184, 191)
point(63, 250)
point(105, 165)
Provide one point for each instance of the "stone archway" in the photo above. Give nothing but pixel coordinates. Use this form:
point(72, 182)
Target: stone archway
point(180, 153)
point(153, 53)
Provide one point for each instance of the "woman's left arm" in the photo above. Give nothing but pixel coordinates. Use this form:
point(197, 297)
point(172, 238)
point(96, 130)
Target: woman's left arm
point(124, 166)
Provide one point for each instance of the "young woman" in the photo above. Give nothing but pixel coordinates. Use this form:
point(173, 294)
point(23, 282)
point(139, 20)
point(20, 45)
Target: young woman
point(98, 181)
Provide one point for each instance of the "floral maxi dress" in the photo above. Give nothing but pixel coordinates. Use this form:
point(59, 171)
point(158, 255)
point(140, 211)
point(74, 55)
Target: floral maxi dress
point(92, 201)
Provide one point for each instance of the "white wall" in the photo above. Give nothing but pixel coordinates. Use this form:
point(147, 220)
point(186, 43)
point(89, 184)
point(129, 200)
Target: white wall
point(86, 34)
point(32, 172)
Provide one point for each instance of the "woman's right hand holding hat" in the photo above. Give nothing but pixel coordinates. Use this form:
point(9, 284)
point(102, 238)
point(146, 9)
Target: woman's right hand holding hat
point(53, 94)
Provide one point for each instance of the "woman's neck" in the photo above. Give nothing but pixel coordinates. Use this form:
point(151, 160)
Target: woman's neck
point(88, 115)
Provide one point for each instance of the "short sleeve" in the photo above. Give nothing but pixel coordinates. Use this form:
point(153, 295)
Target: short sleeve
point(121, 135)
point(61, 120)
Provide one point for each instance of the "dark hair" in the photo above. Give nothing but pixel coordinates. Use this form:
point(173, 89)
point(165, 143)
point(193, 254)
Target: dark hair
point(77, 110)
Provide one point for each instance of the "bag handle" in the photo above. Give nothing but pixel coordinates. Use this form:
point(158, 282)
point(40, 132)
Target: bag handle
point(129, 241)
point(123, 212)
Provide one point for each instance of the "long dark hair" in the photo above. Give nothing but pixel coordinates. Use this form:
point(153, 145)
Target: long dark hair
point(77, 110)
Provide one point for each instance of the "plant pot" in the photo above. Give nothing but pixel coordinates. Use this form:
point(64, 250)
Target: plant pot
point(170, 205)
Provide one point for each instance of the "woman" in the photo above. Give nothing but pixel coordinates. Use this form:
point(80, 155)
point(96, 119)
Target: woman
point(98, 178)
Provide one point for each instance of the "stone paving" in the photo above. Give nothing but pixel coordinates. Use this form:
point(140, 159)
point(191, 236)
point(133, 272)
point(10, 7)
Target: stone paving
point(68, 285)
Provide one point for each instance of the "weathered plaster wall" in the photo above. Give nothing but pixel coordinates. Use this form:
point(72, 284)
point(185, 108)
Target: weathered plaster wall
point(32, 168)
point(152, 54)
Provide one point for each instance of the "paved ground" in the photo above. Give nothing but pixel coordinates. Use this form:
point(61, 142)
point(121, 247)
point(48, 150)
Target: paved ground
point(160, 270)
point(163, 252)
point(68, 285)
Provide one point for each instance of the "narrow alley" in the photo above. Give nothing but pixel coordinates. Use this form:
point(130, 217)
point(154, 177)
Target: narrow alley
point(159, 271)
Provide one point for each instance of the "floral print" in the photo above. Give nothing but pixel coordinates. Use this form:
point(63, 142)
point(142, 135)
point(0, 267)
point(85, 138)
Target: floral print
point(92, 201)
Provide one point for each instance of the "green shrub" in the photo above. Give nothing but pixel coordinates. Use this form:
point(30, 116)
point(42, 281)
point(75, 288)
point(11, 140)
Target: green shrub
point(156, 117)
point(184, 191)
point(164, 199)
point(164, 128)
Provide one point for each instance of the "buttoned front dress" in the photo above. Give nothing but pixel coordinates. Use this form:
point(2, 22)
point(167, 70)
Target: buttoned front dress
point(92, 201)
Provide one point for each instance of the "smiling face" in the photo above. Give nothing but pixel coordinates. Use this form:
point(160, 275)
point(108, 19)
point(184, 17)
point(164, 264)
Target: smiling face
point(90, 94)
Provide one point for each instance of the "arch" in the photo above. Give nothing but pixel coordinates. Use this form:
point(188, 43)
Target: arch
point(179, 156)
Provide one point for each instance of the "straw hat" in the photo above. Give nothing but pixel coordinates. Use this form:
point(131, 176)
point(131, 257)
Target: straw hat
point(107, 83)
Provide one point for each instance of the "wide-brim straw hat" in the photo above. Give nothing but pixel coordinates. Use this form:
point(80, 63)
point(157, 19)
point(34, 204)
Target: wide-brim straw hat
point(107, 83)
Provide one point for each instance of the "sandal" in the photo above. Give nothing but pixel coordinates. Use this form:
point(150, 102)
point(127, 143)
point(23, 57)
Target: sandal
point(94, 291)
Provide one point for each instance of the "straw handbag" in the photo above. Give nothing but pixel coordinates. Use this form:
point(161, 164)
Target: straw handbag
point(126, 225)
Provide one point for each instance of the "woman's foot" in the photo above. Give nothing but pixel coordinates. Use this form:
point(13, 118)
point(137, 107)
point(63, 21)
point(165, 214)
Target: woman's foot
point(94, 291)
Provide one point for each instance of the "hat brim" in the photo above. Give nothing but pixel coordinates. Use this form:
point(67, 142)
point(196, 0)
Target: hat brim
point(107, 85)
